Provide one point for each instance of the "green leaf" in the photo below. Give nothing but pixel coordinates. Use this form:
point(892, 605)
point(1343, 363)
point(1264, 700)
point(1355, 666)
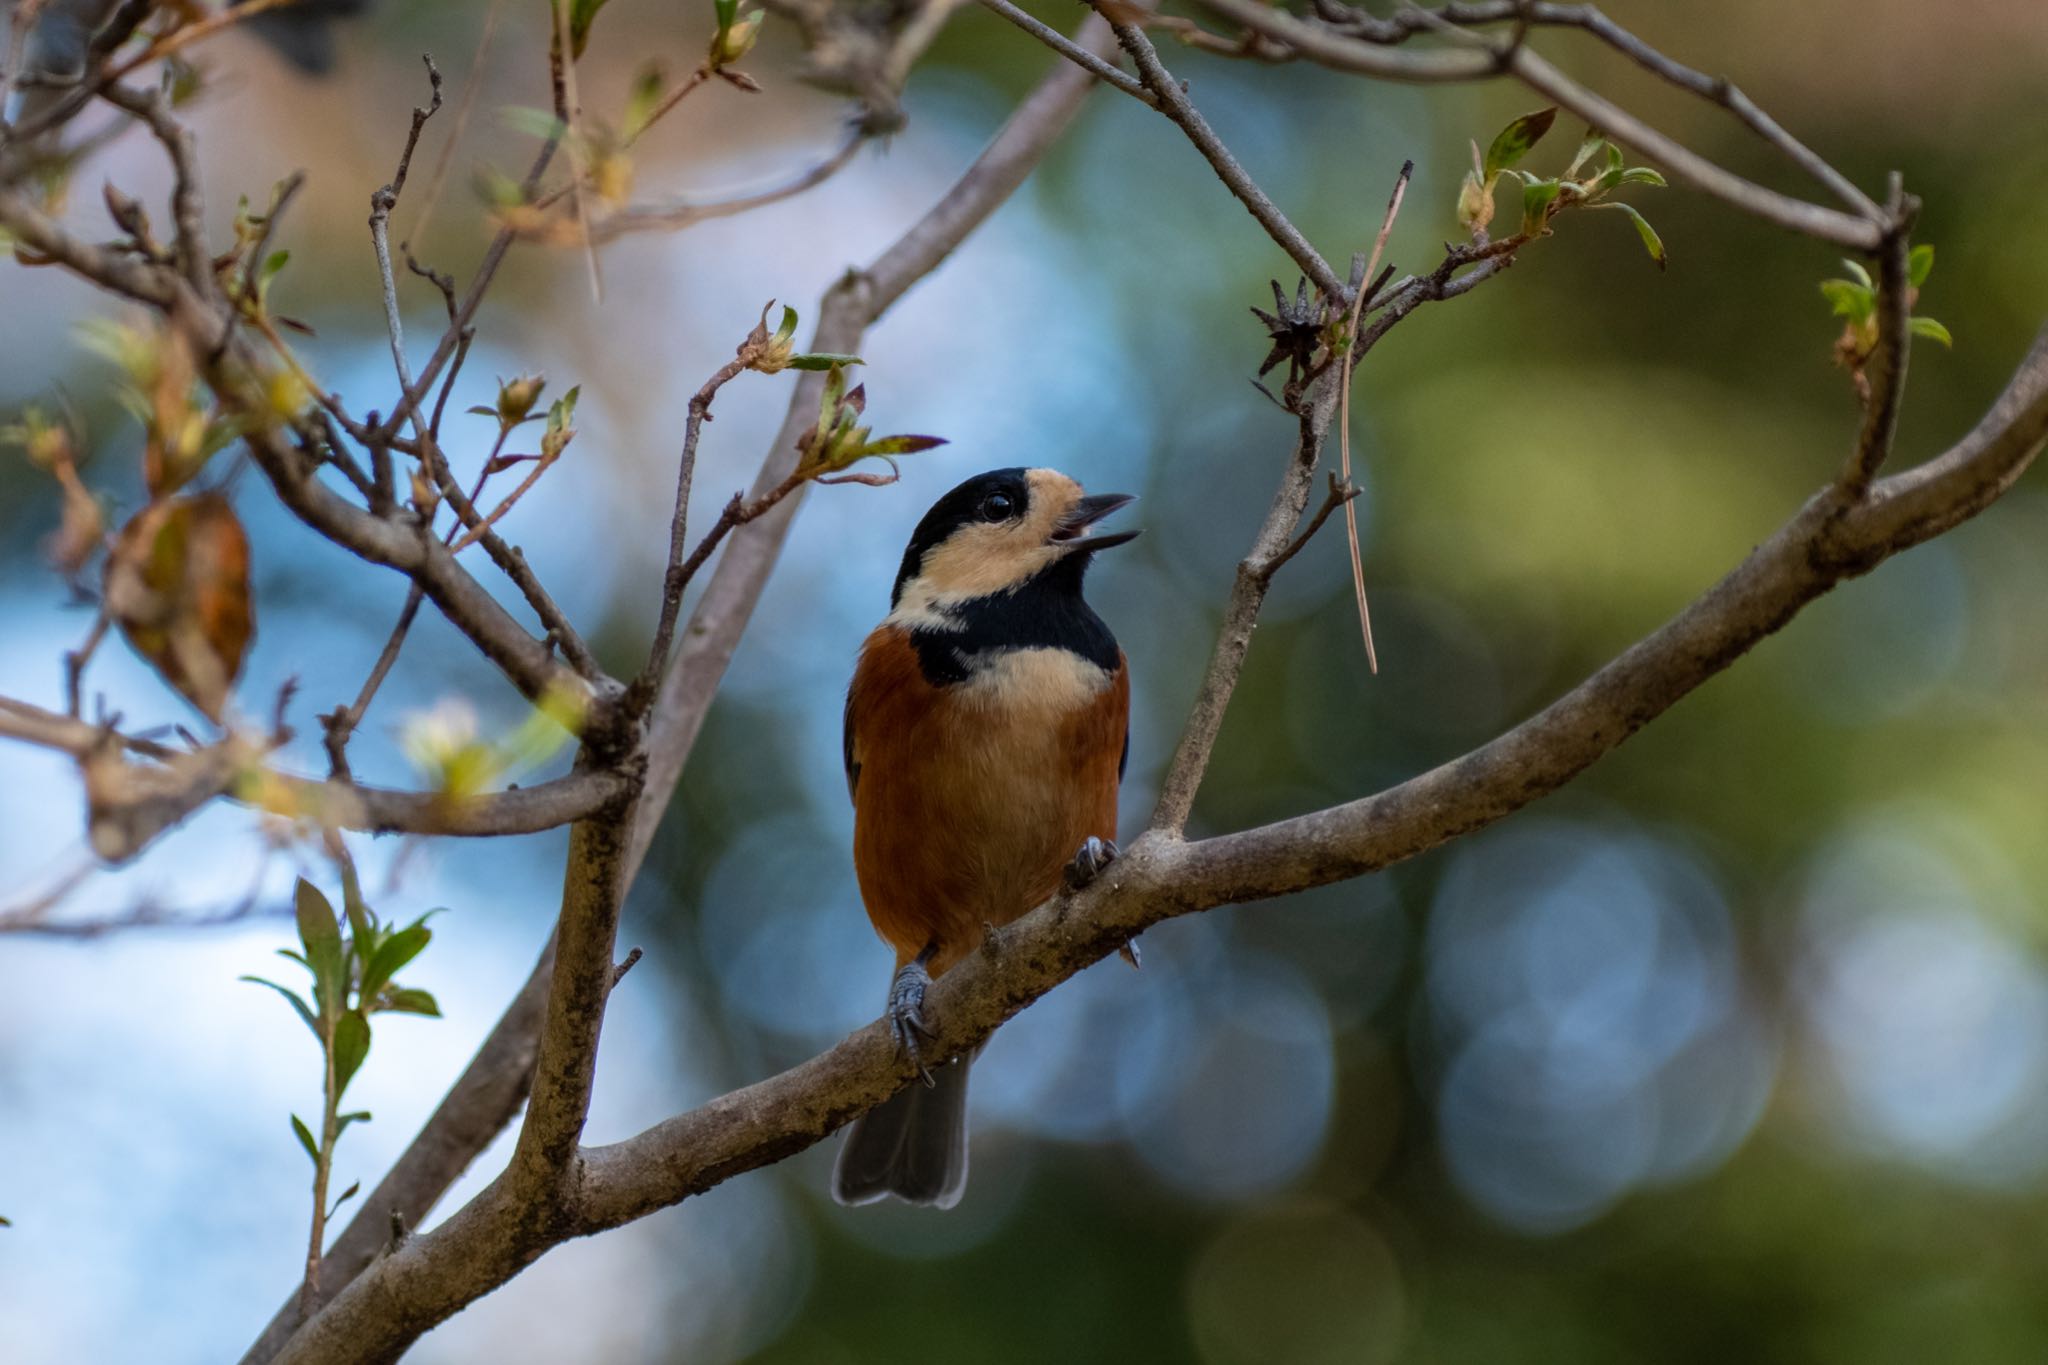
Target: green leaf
point(1920, 264)
point(497, 188)
point(1536, 201)
point(344, 1197)
point(642, 100)
point(306, 1139)
point(351, 1045)
point(305, 1010)
point(1850, 300)
point(5, 1222)
point(1591, 143)
point(1932, 330)
point(822, 360)
point(322, 939)
point(582, 13)
point(1514, 141)
point(342, 1121)
point(901, 445)
point(1858, 273)
point(362, 923)
point(408, 1001)
point(483, 410)
point(391, 956)
point(1652, 243)
point(1642, 175)
point(726, 11)
point(828, 401)
point(533, 122)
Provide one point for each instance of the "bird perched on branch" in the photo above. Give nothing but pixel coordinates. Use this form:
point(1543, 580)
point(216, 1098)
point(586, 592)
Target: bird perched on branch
point(987, 729)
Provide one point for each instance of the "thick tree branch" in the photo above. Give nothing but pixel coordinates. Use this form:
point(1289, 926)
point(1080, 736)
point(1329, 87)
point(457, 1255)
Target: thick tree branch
point(1160, 877)
point(542, 1176)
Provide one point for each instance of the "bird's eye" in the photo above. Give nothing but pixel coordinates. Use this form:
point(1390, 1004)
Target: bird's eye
point(998, 507)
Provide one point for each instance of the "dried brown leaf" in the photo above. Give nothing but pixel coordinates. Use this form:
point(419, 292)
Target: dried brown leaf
point(178, 587)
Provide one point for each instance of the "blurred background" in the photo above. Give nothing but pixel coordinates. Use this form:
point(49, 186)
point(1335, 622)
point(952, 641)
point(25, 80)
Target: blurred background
point(1736, 1049)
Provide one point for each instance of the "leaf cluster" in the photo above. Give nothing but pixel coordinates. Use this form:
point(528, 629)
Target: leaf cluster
point(353, 978)
point(1596, 171)
point(840, 439)
point(1854, 300)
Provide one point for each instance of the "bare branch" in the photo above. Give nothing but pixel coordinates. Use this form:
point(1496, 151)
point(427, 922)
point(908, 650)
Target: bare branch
point(672, 217)
point(527, 662)
point(1340, 494)
point(1167, 95)
point(1270, 548)
point(1073, 52)
point(188, 205)
point(676, 578)
point(1481, 59)
point(1407, 21)
point(509, 560)
point(345, 805)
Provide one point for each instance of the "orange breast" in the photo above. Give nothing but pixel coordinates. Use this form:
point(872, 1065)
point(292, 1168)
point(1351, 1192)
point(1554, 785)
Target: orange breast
point(970, 799)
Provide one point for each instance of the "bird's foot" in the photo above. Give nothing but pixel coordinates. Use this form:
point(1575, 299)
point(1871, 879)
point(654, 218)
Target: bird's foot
point(906, 1011)
point(1095, 855)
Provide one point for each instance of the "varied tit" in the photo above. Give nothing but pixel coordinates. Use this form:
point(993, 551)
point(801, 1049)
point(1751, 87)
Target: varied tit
point(987, 729)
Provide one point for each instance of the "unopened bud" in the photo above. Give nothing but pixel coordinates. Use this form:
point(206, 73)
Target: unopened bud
point(516, 398)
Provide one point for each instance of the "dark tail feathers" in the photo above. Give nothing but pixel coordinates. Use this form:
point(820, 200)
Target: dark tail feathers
point(913, 1146)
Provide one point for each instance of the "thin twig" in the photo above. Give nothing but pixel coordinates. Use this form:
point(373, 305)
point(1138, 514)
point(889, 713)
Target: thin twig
point(671, 217)
point(1175, 105)
point(674, 579)
point(471, 84)
point(381, 204)
point(1477, 58)
point(1408, 20)
point(1379, 246)
point(1340, 495)
point(483, 527)
point(76, 660)
point(625, 965)
point(1073, 52)
point(568, 108)
point(341, 722)
point(509, 560)
point(252, 264)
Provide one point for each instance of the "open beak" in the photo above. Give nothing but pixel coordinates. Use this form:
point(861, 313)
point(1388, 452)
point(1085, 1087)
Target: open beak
point(1073, 528)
